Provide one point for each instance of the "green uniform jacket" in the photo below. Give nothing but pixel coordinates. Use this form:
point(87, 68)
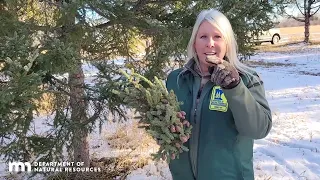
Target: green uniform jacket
point(225, 123)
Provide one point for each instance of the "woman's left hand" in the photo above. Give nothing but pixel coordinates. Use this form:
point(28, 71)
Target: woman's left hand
point(223, 73)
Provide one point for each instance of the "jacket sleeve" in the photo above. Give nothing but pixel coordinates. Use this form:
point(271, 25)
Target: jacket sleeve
point(250, 109)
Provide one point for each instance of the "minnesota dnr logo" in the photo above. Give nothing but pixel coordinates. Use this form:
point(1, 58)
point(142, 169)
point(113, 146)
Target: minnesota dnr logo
point(218, 101)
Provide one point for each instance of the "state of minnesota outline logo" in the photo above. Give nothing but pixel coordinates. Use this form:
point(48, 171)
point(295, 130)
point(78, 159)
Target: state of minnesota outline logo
point(218, 102)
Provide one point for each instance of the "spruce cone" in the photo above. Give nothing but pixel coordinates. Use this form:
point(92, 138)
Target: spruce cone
point(173, 156)
point(187, 123)
point(183, 139)
point(178, 128)
point(173, 128)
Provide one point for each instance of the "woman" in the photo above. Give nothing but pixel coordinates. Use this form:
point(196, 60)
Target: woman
point(225, 102)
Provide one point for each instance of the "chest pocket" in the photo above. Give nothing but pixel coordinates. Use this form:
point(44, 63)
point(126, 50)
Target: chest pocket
point(217, 117)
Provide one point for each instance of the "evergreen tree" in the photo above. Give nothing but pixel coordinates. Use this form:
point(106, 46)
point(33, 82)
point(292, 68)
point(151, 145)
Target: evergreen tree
point(40, 40)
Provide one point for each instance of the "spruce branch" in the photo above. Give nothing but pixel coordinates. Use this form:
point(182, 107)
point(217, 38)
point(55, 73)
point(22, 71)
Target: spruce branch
point(157, 113)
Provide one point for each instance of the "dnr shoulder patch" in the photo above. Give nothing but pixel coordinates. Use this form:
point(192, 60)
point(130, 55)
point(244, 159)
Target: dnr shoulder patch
point(218, 101)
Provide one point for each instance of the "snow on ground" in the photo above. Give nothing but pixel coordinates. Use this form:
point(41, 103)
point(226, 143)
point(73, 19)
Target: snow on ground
point(292, 149)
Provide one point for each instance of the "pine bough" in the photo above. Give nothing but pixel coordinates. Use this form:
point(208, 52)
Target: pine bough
point(157, 109)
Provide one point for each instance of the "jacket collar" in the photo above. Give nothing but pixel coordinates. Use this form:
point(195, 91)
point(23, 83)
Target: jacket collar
point(189, 66)
point(192, 67)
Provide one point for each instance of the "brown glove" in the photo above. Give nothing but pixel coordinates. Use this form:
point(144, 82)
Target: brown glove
point(223, 73)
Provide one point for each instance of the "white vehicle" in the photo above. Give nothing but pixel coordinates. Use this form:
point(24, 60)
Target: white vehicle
point(272, 35)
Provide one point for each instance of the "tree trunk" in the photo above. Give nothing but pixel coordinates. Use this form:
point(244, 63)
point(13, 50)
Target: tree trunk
point(78, 106)
point(79, 115)
point(306, 30)
point(307, 21)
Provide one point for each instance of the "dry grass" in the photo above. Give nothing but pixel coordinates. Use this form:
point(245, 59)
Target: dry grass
point(1, 65)
point(266, 64)
point(275, 48)
point(295, 39)
point(314, 42)
point(299, 29)
point(287, 47)
point(280, 47)
point(48, 101)
point(12, 176)
point(309, 73)
point(45, 104)
point(111, 168)
point(131, 137)
point(133, 143)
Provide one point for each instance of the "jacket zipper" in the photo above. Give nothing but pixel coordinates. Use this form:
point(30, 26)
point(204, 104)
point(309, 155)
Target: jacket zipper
point(200, 104)
point(193, 115)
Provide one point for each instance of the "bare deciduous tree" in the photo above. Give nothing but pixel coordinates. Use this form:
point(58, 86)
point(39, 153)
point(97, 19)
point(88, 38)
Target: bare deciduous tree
point(307, 8)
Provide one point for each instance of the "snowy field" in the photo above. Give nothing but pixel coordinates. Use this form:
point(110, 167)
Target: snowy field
point(292, 149)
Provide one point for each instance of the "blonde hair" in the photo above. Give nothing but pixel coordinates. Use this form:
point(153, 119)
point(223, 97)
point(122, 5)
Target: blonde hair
point(221, 22)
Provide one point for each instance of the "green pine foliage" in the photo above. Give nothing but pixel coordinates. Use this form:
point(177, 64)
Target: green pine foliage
point(157, 109)
point(19, 87)
point(42, 39)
